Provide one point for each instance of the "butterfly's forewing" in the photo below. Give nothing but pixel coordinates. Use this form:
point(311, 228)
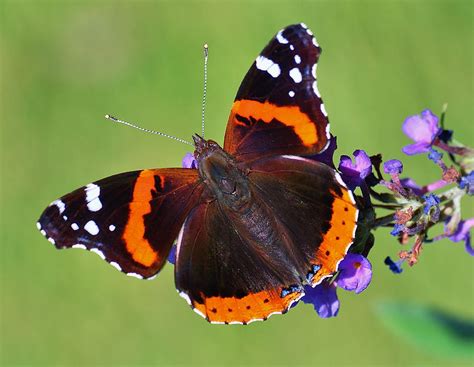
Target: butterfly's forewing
point(278, 108)
point(297, 227)
point(130, 219)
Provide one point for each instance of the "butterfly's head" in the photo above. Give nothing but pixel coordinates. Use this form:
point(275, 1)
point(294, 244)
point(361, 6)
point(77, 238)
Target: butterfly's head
point(220, 173)
point(204, 147)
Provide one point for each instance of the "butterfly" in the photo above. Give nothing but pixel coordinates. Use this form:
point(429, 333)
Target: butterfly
point(254, 223)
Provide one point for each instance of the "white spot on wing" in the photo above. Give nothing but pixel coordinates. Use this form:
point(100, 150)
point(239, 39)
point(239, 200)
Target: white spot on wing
point(135, 275)
point(78, 245)
point(98, 252)
point(291, 93)
point(298, 59)
point(304, 25)
point(111, 228)
point(61, 206)
point(274, 70)
point(92, 197)
point(323, 110)
point(292, 47)
point(116, 266)
point(296, 75)
point(51, 240)
point(313, 70)
point(280, 37)
point(309, 32)
point(356, 217)
point(74, 226)
point(64, 217)
point(315, 89)
point(43, 232)
point(340, 180)
point(94, 205)
point(353, 202)
point(315, 42)
point(328, 134)
point(38, 225)
point(91, 227)
point(92, 191)
point(199, 312)
point(262, 63)
point(186, 297)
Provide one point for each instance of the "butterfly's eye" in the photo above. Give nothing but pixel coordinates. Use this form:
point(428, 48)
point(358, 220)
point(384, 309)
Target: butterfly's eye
point(212, 144)
point(228, 186)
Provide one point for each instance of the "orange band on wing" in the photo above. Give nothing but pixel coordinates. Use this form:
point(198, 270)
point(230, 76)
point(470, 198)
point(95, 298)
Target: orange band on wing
point(340, 236)
point(290, 116)
point(253, 307)
point(134, 234)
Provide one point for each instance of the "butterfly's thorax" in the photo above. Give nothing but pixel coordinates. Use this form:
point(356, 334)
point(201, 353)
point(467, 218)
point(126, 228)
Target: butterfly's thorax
point(223, 177)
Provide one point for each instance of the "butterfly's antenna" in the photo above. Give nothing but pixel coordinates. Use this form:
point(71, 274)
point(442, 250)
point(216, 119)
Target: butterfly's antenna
point(203, 107)
point(108, 117)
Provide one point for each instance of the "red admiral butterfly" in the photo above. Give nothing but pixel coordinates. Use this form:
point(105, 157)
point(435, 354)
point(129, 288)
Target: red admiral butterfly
point(255, 222)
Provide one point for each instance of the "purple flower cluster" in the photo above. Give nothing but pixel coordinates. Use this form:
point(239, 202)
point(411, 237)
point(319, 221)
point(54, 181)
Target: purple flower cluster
point(419, 208)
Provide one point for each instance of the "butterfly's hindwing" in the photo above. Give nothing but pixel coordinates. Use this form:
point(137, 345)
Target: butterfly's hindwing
point(228, 277)
point(312, 203)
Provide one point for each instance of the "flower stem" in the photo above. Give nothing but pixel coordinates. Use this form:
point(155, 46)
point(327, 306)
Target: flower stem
point(435, 186)
point(453, 150)
point(383, 221)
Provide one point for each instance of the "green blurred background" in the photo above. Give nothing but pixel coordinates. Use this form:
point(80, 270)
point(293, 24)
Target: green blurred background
point(64, 64)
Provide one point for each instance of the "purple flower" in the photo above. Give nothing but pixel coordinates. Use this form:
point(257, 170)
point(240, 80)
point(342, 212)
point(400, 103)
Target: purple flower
point(355, 273)
point(422, 129)
point(354, 174)
point(395, 267)
point(463, 233)
point(326, 157)
point(393, 167)
point(468, 181)
point(189, 161)
point(324, 299)
point(431, 200)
